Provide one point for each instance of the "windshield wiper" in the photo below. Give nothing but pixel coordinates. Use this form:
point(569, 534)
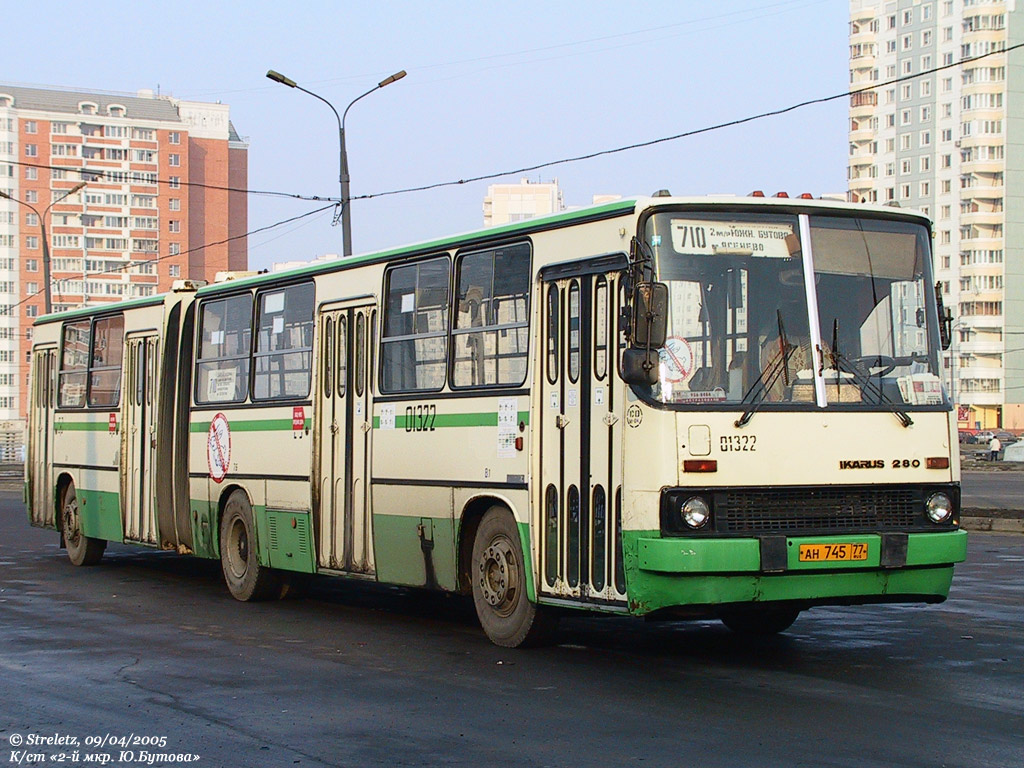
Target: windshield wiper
point(841, 363)
point(779, 365)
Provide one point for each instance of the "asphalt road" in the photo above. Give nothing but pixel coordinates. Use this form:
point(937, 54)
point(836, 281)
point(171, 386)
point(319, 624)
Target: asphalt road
point(993, 489)
point(150, 644)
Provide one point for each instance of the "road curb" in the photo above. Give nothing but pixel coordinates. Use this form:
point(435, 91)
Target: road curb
point(992, 524)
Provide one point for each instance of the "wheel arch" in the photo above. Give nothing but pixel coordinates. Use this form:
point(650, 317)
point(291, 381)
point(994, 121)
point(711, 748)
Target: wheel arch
point(222, 500)
point(62, 481)
point(469, 521)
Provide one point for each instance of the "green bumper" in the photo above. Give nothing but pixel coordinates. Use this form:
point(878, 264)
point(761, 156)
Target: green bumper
point(675, 572)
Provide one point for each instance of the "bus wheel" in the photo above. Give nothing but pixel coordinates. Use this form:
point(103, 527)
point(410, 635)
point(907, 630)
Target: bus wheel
point(499, 585)
point(760, 623)
point(245, 577)
point(82, 549)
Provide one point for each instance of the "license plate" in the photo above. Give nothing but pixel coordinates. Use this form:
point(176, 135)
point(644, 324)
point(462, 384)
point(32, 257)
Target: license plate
point(833, 553)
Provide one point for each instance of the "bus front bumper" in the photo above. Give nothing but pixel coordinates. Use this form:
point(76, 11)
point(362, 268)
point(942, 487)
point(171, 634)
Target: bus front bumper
point(680, 572)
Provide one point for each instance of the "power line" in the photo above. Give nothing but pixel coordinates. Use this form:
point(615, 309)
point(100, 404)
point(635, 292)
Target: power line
point(174, 184)
point(688, 134)
point(133, 264)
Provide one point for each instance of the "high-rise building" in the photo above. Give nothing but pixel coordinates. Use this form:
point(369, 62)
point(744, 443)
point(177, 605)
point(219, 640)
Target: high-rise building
point(506, 203)
point(155, 208)
point(951, 143)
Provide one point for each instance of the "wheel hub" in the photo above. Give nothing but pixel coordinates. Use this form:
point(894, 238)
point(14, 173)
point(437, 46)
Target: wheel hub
point(72, 530)
point(498, 576)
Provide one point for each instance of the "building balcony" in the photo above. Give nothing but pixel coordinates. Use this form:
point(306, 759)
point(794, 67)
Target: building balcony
point(982, 218)
point(982, 191)
point(984, 139)
point(980, 347)
point(983, 166)
point(978, 398)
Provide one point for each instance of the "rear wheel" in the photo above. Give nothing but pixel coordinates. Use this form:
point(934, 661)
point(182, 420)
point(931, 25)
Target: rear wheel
point(246, 578)
point(82, 549)
point(760, 623)
point(499, 585)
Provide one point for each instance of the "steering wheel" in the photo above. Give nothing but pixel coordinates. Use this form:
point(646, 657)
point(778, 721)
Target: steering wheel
point(886, 363)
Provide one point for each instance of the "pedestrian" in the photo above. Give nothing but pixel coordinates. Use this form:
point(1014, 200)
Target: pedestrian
point(994, 446)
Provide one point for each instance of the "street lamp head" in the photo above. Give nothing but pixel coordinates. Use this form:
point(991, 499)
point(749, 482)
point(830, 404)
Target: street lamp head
point(277, 77)
point(5, 196)
point(78, 186)
point(389, 80)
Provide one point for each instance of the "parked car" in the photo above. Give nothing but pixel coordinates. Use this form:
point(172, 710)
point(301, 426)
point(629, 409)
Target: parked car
point(966, 436)
point(983, 438)
point(1006, 438)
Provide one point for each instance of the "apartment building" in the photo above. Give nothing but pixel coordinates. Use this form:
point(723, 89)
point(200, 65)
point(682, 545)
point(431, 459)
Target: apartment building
point(951, 143)
point(506, 203)
point(156, 173)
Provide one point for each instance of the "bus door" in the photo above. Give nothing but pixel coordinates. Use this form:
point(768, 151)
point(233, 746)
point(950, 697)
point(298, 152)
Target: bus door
point(138, 434)
point(581, 436)
point(345, 421)
point(40, 458)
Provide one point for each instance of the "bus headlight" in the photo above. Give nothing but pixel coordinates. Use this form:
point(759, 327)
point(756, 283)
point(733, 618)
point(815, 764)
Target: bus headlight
point(695, 512)
point(939, 508)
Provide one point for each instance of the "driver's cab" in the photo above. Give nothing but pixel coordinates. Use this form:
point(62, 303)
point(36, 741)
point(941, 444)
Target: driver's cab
point(794, 310)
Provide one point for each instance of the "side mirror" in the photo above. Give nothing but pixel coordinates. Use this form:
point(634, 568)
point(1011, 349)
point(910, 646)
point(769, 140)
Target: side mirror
point(650, 313)
point(639, 366)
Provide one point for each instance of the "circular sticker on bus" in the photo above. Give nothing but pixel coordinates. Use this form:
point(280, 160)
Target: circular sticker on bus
point(218, 447)
point(677, 357)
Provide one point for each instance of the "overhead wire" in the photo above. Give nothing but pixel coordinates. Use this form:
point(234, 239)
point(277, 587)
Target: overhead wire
point(687, 134)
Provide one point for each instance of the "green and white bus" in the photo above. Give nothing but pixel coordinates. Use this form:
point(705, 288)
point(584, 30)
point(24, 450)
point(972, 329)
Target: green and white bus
point(704, 408)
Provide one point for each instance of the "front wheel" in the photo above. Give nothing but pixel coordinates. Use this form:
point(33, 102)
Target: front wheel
point(82, 549)
point(499, 586)
point(246, 578)
point(760, 623)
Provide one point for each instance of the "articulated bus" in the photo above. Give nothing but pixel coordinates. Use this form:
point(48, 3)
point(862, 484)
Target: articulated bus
point(723, 408)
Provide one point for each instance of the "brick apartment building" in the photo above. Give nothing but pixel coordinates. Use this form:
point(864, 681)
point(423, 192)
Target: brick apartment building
point(157, 173)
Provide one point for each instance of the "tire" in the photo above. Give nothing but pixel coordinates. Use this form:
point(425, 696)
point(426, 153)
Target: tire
point(760, 623)
point(246, 578)
point(82, 549)
point(499, 581)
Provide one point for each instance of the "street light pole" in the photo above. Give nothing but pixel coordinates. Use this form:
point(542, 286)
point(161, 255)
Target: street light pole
point(343, 175)
point(46, 246)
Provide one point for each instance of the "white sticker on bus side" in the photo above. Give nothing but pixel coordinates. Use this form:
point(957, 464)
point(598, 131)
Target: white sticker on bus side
point(387, 417)
point(508, 415)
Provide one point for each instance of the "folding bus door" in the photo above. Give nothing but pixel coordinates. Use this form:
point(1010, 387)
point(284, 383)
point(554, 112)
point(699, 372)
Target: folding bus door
point(581, 437)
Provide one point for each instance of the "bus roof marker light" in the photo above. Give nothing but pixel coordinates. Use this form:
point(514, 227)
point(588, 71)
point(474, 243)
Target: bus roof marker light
point(782, 194)
point(757, 193)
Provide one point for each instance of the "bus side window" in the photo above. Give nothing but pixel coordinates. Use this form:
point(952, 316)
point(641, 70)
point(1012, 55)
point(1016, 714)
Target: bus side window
point(284, 344)
point(74, 364)
point(225, 333)
point(491, 334)
point(342, 354)
point(414, 336)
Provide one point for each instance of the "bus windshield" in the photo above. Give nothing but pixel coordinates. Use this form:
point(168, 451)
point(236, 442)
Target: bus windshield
point(740, 321)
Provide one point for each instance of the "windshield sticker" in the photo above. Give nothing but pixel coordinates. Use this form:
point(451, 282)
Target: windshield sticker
point(920, 389)
point(773, 240)
point(716, 395)
point(676, 359)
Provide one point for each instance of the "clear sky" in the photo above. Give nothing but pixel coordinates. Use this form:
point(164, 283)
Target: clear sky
point(492, 87)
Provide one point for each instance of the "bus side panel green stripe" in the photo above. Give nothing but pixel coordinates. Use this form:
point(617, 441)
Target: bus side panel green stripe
point(267, 425)
point(451, 420)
